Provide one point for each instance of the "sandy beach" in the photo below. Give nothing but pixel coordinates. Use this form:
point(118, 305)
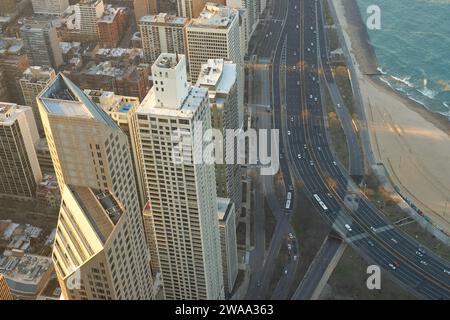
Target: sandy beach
point(412, 142)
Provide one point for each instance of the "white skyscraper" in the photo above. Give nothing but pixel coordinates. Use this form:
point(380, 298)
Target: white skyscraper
point(219, 77)
point(216, 34)
point(181, 216)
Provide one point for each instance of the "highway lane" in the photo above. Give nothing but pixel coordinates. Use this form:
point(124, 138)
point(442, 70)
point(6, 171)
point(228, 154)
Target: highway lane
point(317, 168)
point(262, 276)
point(356, 160)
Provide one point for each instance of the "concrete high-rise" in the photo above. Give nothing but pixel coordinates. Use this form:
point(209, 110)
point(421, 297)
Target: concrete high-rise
point(41, 41)
point(19, 167)
point(216, 34)
point(56, 7)
point(219, 77)
point(90, 12)
point(34, 80)
point(181, 215)
point(228, 245)
point(100, 239)
point(162, 33)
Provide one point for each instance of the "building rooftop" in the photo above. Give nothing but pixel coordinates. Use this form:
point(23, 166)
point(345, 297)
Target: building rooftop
point(111, 102)
point(187, 109)
point(110, 14)
point(9, 112)
point(215, 16)
point(38, 74)
point(217, 75)
point(101, 208)
point(23, 271)
point(63, 98)
point(165, 19)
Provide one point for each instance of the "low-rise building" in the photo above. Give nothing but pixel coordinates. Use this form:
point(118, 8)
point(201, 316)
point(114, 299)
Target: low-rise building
point(25, 274)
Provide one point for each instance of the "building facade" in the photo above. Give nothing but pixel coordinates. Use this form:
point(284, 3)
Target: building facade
point(162, 33)
point(219, 77)
point(34, 80)
point(41, 42)
point(181, 215)
point(228, 245)
point(19, 167)
point(92, 161)
point(216, 34)
point(5, 292)
point(90, 11)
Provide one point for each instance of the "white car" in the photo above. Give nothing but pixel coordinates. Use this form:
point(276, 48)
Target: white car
point(310, 96)
point(311, 163)
point(334, 163)
point(295, 258)
point(305, 146)
point(315, 99)
point(291, 236)
point(446, 271)
point(373, 229)
point(424, 262)
point(338, 105)
point(297, 26)
point(370, 243)
point(285, 271)
point(289, 133)
point(298, 83)
point(420, 254)
point(309, 49)
point(347, 226)
point(312, 28)
point(299, 156)
point(392, 266)
point(319, 148)
point(394, 241)
point(289, 247)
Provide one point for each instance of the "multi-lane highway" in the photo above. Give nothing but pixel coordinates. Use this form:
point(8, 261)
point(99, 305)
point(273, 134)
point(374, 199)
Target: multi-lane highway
point(331, 189)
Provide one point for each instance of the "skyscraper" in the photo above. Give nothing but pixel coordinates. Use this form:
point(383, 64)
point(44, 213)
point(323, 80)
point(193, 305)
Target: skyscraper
point(216, 35)
point(100, 230)
point(181, 216)
point(219, 77)
point(162, 33)
point(90, 12)
point(34, 80)
point(19, 166)
point(227, 226)
point(41, 42)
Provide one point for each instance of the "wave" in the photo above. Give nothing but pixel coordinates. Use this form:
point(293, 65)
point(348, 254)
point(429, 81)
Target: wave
point(429, 93)
point(404, 80)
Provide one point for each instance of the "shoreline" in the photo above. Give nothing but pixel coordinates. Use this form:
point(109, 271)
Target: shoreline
point(412, 141)
point(368, 64)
